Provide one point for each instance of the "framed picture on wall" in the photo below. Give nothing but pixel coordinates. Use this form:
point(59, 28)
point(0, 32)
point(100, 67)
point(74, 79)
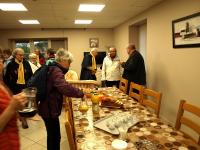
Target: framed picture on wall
point(94, 42)
point(186, 31)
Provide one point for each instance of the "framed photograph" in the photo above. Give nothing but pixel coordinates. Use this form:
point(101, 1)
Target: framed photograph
point(186, 31)
point(94, 42)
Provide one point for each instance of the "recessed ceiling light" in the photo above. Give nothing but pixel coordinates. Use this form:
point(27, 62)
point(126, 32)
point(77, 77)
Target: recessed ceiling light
point(12, 7)
point(29, 21)
point(83, 21)
point(91, 7)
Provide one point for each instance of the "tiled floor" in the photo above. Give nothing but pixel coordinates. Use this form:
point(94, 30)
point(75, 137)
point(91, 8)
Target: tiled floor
point(34, 138)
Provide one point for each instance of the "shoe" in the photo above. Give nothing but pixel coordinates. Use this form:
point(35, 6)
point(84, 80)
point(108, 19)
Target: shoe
point(24, 123)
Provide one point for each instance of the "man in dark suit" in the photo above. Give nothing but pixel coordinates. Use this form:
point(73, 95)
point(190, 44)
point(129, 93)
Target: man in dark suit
point(134, 68)
point(89, 66)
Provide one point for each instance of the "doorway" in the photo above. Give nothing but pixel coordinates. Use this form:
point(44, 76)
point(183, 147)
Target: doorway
point(138, 36)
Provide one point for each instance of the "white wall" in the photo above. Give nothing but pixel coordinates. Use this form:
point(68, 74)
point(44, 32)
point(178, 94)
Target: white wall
point(174, 72)
point(143, 40)
point(78, 39)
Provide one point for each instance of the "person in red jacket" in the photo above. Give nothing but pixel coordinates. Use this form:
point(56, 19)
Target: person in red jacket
point(9, 138)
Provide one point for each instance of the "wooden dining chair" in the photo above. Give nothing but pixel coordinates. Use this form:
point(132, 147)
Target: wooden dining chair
point(183, 106)
point(68, 109)
point(123, 85)
point(69, 131)
point(152, 99)
point(136, 91)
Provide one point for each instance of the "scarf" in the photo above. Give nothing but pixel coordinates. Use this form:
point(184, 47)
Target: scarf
point(94, 65)
point(20, 79)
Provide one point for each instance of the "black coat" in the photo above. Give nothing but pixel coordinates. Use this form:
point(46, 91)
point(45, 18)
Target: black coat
point(86, 74)
point(134, 69)
point(11, 75)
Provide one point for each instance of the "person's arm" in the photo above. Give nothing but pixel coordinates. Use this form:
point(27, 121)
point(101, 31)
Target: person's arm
point(64, 87)
point(103, 72)
point(87, 62)
point(131, 64)
point(18, 101)
point(6, 77)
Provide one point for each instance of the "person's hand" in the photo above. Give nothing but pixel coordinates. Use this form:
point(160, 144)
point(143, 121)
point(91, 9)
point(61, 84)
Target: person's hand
point(94, 71)
point(18, 101)
point(121, 62)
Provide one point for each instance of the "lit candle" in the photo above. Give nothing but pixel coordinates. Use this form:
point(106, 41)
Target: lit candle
point(119, 144)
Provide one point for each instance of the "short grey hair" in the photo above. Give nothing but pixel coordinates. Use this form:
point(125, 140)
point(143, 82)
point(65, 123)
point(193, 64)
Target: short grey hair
point(14, 53)
point(63, 55)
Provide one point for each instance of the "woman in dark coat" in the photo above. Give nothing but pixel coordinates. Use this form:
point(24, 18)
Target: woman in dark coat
point(50, 108)
point(89, 66)
point(18, 72)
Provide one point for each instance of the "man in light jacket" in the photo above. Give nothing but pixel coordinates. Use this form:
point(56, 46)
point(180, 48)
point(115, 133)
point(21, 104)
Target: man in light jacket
point(111, 69)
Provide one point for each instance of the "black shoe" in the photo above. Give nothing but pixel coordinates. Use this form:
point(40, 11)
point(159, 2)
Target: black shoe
point(24, 124)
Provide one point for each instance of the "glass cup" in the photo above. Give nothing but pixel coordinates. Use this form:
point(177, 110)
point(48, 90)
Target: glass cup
point(83, 108)
point(30, 108)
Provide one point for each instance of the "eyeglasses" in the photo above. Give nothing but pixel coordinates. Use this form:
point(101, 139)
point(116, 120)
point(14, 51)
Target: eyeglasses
point(20, 55)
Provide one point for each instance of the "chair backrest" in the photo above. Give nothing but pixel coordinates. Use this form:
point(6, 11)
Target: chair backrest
point(136, 91)
point(183, 106)
point(123, 85)
point(152, 99)
point(69, 130)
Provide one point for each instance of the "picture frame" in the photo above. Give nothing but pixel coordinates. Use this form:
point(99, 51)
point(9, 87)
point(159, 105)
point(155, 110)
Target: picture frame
point(186, 31)
point(94, 42)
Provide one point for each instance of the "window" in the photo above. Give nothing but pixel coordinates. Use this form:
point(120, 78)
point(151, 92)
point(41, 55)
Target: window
point(28, 45)
point(42, 45)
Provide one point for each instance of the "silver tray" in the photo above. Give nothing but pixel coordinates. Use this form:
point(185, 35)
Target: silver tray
point(102, 124)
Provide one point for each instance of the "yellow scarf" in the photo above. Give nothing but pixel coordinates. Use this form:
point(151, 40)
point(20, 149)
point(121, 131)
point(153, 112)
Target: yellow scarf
point(94, 65)
point(20, 79)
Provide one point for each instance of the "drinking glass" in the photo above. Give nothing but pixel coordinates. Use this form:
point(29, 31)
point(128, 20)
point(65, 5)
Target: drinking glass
point(83, 108)
point(30, 108)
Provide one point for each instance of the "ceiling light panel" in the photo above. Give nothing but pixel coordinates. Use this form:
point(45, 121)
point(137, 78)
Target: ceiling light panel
point(29, 21)
point(91, 7)
point(83, 21)
point(12, 7)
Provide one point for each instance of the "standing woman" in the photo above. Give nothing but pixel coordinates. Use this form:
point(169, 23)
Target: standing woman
point(50, 108)
point(89, 66)
point(18, 72)
point(33, 62)
point(9, 138)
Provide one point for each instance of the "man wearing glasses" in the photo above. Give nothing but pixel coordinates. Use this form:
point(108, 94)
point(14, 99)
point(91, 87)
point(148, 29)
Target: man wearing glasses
point(18, 72)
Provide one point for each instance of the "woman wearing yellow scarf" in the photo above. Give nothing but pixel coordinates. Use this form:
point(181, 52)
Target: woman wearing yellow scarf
point(18, 72)
point(89, 66)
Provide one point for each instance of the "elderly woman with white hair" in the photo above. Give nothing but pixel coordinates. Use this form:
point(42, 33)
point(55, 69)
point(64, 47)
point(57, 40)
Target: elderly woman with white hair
point(89, 66)
point(50, 108)
point(33, 62)
point(18, 72)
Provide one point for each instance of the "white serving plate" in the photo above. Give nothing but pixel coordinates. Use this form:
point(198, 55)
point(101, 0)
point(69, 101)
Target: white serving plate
point(102, 124)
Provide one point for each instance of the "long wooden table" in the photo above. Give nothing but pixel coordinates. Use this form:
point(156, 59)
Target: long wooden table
point(150, 130)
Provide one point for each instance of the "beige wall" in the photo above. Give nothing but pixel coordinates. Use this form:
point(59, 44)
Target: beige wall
point(78, 39)
point(174, 72)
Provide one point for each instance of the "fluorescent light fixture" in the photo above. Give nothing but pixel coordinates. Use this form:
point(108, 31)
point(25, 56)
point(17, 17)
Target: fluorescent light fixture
point(29, 21)
point(12, 7)
point(83, 21)
point(91, 7)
